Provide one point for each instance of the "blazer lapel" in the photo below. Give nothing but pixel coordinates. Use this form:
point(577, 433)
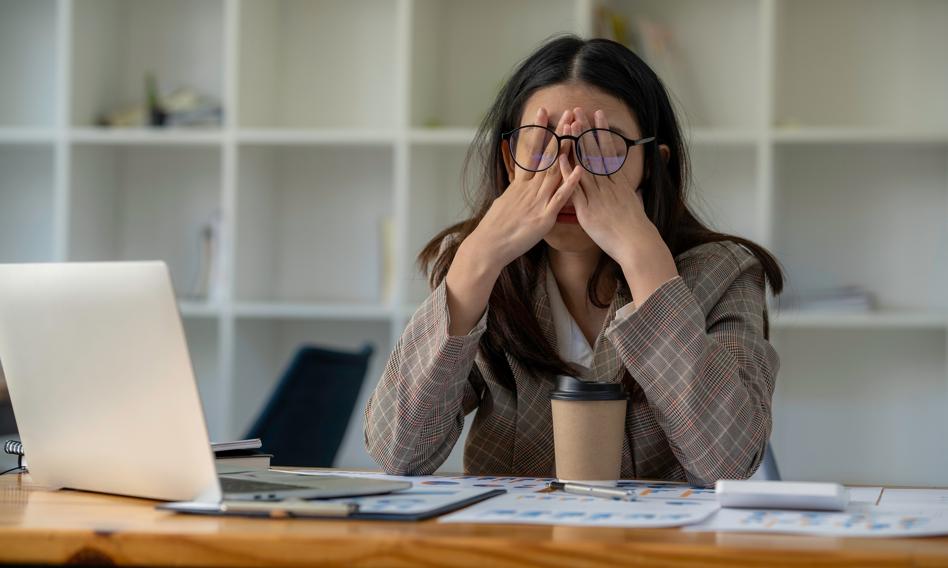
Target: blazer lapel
point(533, 442)
point(606, 365)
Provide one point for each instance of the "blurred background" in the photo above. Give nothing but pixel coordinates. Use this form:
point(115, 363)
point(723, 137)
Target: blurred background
point(289, 158)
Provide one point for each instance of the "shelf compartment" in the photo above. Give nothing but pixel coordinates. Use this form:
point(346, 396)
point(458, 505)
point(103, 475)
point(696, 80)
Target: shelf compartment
point(435, 202)
point(28, 43)
point(846, 215)
point(317, 64)
point(457, 70)
point(117, 42)
point(145, 203)
point(724, 189)
point(27, 203)
point(264, 348)
point(826, 76)
point(715, 87)
point(203, 344)
point(310, 223)
point(857, 407)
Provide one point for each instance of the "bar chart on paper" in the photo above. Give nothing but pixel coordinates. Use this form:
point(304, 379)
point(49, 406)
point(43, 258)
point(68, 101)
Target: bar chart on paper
point(560, 509)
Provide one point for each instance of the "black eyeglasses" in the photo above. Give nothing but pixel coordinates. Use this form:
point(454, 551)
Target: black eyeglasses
point(600, 151)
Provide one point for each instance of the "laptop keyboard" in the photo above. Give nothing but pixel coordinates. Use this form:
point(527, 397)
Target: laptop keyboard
point(235, 485)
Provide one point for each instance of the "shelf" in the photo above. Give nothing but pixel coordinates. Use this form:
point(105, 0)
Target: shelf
point(462, 51)
point(723, 137)
point(873, 216)
point(117, 42)
point(330, 311)
point(297, 206)
point(146, 136)
point(198, 309)
point(851, 135)
point(711, 66)
point(27, 136)
point(27, 204)
point(886, 319)
point(28, 44)
point(143, 203)
point(862, 63)
point(322, 136)
point(317, 64)
point(442, 136)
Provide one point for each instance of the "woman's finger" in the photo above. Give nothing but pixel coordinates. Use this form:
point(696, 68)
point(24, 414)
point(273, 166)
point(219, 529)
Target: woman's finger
point(612, 153)
point(577, 194)
point(529, 147)
point(589, 182)
point(551, 180)
point(590, 150)
point(549, 186)
point(568, 189)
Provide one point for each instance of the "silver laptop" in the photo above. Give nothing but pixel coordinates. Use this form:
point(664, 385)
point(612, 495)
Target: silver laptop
point(104, 393)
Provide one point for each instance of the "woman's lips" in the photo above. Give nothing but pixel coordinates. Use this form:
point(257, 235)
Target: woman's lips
point(567, 216)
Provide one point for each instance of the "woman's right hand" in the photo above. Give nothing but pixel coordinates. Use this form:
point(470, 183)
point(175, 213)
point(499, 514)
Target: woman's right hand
point(515, 222)
point(527, 209)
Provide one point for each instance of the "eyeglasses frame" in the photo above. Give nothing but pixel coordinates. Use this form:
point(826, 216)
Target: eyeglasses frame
point(575, 139)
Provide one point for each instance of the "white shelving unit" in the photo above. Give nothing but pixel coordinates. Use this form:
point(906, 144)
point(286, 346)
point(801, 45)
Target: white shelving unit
point(818, 128)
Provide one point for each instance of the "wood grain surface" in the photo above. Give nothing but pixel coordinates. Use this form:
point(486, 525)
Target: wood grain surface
point(60, 527)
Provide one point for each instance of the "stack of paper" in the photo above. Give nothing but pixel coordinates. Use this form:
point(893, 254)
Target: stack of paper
point(873, 511)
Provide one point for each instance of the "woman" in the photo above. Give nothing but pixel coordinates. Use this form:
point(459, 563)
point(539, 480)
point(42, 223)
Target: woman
point(583, 259)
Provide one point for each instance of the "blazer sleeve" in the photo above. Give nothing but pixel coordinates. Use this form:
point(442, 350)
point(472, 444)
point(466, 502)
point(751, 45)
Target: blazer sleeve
point(708, 378)
point(416, 413)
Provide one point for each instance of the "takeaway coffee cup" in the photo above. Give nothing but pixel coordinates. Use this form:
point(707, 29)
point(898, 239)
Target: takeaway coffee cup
point(588, 426)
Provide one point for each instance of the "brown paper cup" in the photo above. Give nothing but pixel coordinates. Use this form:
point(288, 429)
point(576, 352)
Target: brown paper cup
point(587, 434)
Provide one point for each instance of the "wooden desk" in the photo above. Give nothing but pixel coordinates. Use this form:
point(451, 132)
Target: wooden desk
point(55, 527)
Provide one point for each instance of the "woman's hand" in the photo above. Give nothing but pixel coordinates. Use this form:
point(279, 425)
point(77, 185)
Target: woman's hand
point(527, 210)
point(611, 211)
point(515, 222)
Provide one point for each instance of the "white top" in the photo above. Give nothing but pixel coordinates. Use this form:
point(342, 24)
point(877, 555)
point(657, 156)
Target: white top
point(571, 344)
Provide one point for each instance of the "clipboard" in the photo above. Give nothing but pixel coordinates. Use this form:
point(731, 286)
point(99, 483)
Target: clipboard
point(415, 504)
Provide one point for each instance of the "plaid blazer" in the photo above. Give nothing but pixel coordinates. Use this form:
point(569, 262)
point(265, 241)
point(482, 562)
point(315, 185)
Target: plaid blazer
point(694, 356)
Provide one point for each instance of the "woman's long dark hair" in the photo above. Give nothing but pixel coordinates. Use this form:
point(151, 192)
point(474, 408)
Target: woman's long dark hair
point(512, 327)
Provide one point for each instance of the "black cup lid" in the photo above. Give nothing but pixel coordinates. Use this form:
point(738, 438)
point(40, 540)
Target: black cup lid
point(571, 388)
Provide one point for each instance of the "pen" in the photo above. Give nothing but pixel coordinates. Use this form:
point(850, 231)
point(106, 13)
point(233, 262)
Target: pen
point(594, 490)
point(291, 508)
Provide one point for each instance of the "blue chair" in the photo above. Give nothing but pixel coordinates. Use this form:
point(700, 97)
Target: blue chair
point(306, 417)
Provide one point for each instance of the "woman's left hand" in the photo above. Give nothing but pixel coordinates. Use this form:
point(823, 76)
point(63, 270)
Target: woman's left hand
point(612, 212)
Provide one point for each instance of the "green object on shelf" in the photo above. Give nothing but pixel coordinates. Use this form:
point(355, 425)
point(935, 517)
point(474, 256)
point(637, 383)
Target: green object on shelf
point(156, 113)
